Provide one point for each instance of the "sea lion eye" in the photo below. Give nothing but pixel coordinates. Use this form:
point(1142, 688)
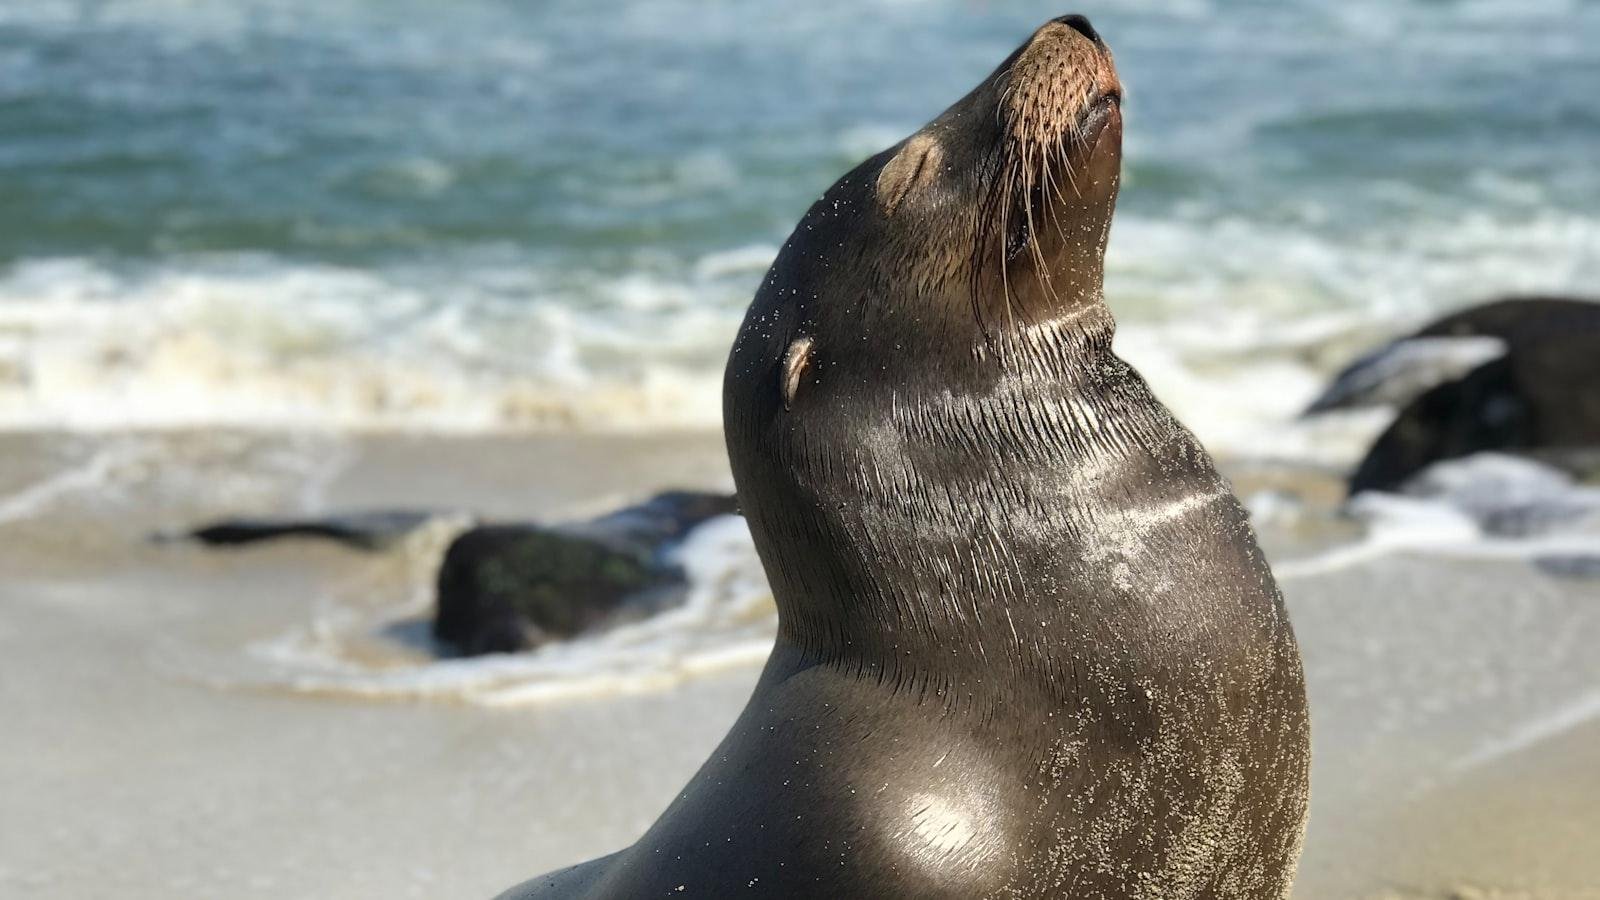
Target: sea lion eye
point(796, 361)
point(1017, 236)
point(916, 163)
point(1020, 221)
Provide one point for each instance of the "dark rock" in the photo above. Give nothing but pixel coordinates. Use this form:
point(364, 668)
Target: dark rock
point(505, 588)
point(1516, 320)
point(363, 531)
point(1575, 567)
point(1541, 398)
point(509, 587)
point(1450, 348)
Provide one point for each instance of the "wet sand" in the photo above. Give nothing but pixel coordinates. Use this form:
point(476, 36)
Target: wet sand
point(1456, 702)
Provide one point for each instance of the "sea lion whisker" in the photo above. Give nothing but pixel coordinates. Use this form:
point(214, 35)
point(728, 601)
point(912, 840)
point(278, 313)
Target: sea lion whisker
point(994, 174)
point(1053, 189)
point(1005, 262)
point(1041, 267)
point(1003, 109)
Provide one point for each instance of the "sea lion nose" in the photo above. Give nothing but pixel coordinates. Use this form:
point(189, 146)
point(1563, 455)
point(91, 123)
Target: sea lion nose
point(1081, 25)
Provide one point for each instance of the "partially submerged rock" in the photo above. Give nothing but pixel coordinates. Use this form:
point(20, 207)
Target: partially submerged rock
point(508, 587)
point(1541, 399)
point(1519, 376)
point(504, 588)
point(362, 531)
point(1449, 348)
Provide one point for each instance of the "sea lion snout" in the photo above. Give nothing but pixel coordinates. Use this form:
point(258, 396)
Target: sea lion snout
point(1031, 158)
point(1081, 25)
point(1062, 80)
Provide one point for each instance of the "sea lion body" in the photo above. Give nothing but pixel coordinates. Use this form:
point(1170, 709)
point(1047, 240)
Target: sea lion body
point(1028, 646)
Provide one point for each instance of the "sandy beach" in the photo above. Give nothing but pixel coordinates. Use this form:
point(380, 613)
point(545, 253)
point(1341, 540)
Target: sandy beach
point(152, 753)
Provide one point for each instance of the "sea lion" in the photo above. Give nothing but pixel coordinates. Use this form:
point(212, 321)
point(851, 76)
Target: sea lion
point(1028, 646)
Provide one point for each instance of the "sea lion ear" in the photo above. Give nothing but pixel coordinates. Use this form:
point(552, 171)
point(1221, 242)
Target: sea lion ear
point(917, 162)
point(796, 362)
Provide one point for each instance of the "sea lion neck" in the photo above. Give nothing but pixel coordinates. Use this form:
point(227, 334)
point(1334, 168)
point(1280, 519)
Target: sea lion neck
point(923, 404)
point(932, 342)
point(904, 519)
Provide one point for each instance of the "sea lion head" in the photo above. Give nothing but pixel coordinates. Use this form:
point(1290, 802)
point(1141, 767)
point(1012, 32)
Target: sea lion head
point(988, 221)
point(1003, 203)
point(968, 254)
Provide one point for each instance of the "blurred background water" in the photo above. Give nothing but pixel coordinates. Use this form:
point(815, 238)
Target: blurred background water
point(483, 215)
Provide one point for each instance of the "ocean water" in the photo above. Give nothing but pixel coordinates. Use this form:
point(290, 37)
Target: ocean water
point(496, 215)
